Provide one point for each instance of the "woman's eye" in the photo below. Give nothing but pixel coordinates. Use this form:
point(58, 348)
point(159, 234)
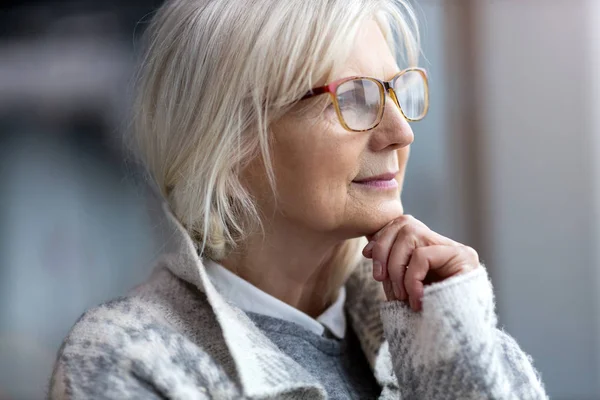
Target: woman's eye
point(349, 99)
point(343, 104)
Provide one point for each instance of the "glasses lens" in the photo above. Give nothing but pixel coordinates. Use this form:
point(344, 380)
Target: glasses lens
point(411, 91)
point(359, 101)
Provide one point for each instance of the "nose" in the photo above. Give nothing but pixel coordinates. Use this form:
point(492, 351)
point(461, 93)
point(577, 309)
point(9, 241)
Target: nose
point(393, 132)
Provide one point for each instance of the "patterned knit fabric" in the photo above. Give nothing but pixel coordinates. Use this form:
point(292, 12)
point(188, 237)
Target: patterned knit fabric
point(175, 337)
point(339, 365)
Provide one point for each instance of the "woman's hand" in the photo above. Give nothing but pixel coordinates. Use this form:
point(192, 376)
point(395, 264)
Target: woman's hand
point(407, 255)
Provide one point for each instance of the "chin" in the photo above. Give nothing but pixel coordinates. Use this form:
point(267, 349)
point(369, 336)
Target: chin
point(372, 219)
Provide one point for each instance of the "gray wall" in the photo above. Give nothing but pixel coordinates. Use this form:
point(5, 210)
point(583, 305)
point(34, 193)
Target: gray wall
point(428, 178)
point(537, 137)
point(515, 126)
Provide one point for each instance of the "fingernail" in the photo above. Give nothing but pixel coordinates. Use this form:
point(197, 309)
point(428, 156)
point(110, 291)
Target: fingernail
point(377, 269)
point(369, 246)
point(396, 290)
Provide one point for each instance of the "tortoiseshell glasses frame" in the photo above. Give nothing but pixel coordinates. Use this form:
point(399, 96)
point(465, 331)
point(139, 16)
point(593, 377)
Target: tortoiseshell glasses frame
point(384, 86)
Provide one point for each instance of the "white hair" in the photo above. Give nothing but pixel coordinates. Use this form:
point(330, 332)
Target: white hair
point(215, 73)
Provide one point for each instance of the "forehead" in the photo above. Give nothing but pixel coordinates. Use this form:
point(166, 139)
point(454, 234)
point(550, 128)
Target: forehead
point(369, 56)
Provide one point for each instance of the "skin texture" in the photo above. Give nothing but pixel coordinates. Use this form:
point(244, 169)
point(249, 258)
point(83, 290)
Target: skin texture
point(320, 204)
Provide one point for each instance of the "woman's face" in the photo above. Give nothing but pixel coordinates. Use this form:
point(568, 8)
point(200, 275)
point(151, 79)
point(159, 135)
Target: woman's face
point(318, 164)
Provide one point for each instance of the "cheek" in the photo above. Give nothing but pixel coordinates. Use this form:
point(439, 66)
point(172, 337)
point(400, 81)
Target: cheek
point(313, 179)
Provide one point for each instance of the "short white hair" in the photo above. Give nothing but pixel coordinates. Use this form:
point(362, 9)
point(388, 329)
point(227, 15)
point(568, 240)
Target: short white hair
point(216, 73)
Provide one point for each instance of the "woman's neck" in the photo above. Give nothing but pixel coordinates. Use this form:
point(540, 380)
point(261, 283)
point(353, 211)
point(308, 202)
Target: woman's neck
point(291, 265)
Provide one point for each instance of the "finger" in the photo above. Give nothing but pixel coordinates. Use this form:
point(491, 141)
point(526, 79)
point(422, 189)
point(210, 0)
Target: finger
point(423, 259)
point(434, 238)
point(387, 288)
point(409, 238)
point(398, 223)
point(381, 251)
point(416, 272)
point(384, 239)
point(398, 261)
point(368, 250)
point(405, 227)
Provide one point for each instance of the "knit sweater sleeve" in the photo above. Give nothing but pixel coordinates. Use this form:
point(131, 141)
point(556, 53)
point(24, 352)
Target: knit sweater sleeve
point(452, 349)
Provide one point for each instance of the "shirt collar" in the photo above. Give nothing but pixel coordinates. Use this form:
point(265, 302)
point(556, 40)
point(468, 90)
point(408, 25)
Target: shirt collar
point(248, 297)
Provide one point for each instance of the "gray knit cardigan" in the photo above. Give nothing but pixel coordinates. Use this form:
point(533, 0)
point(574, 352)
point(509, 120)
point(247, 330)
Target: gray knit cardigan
point(175, 337)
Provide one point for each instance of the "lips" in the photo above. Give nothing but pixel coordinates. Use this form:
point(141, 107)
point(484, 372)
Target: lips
point(382, 178)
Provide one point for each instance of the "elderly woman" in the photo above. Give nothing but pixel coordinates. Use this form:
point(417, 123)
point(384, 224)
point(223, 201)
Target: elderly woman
point(278, 133)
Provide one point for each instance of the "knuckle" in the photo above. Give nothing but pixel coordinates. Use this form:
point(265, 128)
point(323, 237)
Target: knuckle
point(419, 254)
point(407, 218)
point(408, 230)
point(470, 253)
point(395, 221)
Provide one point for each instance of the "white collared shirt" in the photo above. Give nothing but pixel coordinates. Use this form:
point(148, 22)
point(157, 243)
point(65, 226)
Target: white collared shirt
point(250, 298)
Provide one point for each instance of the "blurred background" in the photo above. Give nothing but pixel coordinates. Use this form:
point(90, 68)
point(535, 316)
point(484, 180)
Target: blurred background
point(508, 161)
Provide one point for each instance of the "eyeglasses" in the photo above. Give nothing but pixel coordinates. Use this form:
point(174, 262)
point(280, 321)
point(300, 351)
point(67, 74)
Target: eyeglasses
point(360, 101)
